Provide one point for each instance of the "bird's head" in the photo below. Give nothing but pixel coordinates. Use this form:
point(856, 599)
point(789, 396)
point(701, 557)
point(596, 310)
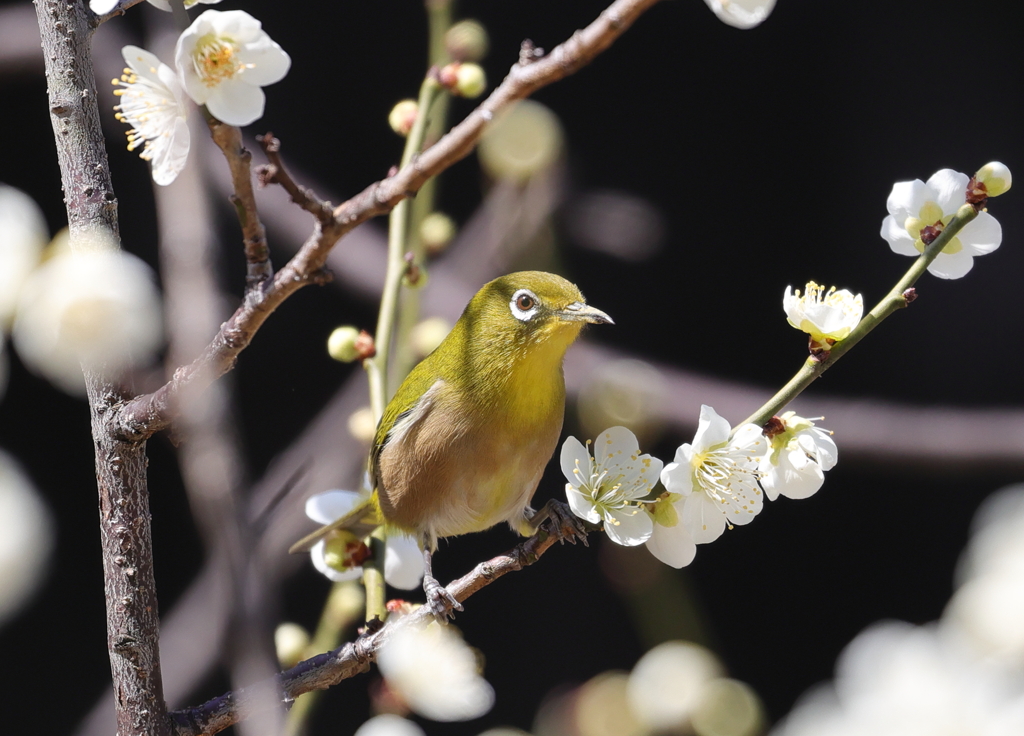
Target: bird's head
point(529, 308)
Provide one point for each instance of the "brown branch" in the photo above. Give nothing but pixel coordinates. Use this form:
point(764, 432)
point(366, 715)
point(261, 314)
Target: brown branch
point(142, 416)
point(328, 669)
point(276, 173)
point(129, 587)
point(254, 236)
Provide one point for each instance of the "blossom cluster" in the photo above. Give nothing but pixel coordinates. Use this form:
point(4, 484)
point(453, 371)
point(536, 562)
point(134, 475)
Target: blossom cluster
point(719, 480)
point(222, 61)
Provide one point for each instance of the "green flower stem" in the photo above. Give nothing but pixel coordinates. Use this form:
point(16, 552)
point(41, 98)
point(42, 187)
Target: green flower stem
point(373, 577)
point(398, 227)
point(894, 300)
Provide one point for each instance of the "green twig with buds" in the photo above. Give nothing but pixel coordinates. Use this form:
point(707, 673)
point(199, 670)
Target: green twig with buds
point(900, 296)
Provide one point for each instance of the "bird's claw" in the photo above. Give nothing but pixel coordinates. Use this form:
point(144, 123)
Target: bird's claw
point(441, 603)
point(564, 523)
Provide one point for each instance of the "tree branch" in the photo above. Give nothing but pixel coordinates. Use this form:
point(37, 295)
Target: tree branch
point(328, 669)
point(142, 416)
point(129, 587)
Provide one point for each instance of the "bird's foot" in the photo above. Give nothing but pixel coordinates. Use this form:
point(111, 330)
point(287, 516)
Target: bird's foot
point(563, 522)
point(441, 603)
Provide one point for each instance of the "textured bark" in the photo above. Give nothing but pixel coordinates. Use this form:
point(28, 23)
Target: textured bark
point(132, 614)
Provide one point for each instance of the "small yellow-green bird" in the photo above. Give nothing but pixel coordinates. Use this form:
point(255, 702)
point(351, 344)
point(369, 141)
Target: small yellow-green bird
point(463, 444)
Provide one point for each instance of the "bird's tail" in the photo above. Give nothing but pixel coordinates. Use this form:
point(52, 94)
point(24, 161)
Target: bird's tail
point(361, 520)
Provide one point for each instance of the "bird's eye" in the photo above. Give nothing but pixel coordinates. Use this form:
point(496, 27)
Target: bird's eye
point(524, 305)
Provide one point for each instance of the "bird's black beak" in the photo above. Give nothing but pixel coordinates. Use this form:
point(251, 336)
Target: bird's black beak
point(580, 312)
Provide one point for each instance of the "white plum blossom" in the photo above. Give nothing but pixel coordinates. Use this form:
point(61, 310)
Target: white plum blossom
point(827, 316)
point(919, 211)
point(153, 103)
point(669, 682)
point(608, 486)
point(798, 456)
point(23, 235)
point(224, 59)
point(717, 476)
point(94, 307)
point(741, 13)
point(403, 559)
point(435, 673)
point(388, 724)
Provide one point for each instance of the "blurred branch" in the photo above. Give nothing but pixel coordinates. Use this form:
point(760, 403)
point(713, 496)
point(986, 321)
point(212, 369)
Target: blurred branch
point(142, 416)
point(328, 669)
point(126, 537)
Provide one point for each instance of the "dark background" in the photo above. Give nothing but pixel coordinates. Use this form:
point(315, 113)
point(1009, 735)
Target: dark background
point(770, 153)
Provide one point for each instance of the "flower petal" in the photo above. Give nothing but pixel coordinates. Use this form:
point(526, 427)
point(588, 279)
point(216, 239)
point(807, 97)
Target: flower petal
point(982, 235)
point(678, 476)
point(703, 517)
point(711, 429)
point(574, 461)
point(235, 104)
point(672, 545)
point(323, 508)
point(613, 444)
point(952, 265)
point(629, 526)
point(581, 505)
point(950, 189)
point(403, 562)
point(907, 198)
point(265, 62)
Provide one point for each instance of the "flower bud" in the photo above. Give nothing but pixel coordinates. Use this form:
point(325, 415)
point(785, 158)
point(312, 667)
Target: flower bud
point(466, 41)
point(996, 178)
point(415, 276)
point(464, 80)
point(403, 116)
point(361, 424)
point(290, 642)
point(428, 334)
point(470, 81)
point(436, 231)
point(348, 343)
point(343, 550)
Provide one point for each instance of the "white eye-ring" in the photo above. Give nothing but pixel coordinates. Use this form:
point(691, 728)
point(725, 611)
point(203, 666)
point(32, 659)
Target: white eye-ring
point(524, 305)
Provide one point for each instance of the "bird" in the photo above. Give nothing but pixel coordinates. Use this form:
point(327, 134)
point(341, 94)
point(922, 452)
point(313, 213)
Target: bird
point(462, 445)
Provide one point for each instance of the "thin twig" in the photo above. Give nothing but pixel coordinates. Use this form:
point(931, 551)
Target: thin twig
point(328, 669)
point(257, 255)
point(276, 173)
point(143, 416)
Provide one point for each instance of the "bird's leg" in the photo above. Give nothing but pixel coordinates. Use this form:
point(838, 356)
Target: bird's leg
point(440, 602)
point(566, 524)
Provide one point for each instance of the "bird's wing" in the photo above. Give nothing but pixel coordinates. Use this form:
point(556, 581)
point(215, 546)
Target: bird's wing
point(398, 418)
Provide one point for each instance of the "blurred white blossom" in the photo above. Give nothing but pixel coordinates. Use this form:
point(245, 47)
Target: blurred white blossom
point(717, 476)
point(741, 13)
point(827, 316)
point(988, 605)
point(896, 679)
point(153, 103)
point(388, 724)
point(668, 683)
point(26, 537)
point(224, 59)
point(94, 307)
point(433, 670)
point(23, 235)
point(919, 211)
point(403, 560)
point(798, 456)
point(608, 486)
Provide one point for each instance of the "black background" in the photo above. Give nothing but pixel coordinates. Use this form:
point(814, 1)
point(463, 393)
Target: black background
point(771, 153)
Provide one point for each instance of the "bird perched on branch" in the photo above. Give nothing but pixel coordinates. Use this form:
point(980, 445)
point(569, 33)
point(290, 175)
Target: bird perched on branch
point(463, 444)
